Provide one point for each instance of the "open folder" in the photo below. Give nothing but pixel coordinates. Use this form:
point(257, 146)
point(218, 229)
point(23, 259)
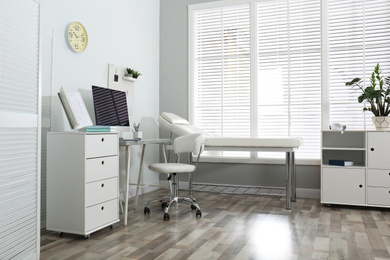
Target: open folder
point(75, 109)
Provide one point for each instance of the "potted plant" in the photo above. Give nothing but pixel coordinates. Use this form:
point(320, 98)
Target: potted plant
point(136, 74)
point(377, 95)
point(137, 134)
point(132, 73)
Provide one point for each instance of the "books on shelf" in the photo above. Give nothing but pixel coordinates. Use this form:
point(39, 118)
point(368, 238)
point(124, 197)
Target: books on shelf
point(341, 162)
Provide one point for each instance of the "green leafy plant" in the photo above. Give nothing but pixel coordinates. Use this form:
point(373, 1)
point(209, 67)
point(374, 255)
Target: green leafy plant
point(129, 71)
point(377, 94)
point(136, 74)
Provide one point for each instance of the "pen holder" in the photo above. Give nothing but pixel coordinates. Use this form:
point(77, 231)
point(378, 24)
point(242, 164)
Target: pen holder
point(137, 135)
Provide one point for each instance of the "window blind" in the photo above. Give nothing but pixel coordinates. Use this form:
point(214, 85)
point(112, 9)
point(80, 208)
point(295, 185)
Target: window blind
point(19, 129)
point(359, 38)
point(221, 93)
point(289, 72)
point(294, 95)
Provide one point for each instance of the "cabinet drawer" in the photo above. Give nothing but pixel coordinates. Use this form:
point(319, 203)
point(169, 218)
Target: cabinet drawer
point(101, 145)
point(379, 178)
point(378, 196)
point(101, 168)
point(101, 214)
point(100, 191)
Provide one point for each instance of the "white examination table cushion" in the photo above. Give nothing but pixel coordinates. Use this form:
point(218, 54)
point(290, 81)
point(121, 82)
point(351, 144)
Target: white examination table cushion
point(174, 119)
point(274, 142)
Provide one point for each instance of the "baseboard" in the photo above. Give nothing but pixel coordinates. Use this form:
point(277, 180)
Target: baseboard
point(301, 193)
point(308, 193)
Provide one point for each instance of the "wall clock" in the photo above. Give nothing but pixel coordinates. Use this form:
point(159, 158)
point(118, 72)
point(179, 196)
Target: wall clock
point(76, 37)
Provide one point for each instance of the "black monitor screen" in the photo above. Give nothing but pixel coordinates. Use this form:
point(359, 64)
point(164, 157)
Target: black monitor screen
point(110, 107)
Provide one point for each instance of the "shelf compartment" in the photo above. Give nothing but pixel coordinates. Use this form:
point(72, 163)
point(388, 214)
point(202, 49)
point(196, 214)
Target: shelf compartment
point(352, 139)
point(357, 156)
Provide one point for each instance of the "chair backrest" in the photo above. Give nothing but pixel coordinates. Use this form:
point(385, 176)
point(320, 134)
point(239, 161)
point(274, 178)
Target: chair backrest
point(191, 143)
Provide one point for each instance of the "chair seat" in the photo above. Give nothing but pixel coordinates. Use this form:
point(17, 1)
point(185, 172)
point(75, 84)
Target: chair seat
point(172, 167)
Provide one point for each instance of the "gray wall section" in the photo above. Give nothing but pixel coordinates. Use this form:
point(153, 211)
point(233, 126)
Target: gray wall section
point(174, 98)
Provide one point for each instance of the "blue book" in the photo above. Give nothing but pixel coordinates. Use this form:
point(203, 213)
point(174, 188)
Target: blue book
point(341, 162)
point(98, 128)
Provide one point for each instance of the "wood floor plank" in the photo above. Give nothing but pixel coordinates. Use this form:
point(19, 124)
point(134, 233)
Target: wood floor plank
point(233, 226)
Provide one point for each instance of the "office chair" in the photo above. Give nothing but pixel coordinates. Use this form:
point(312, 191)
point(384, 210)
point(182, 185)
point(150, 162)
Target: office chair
point(192, 144)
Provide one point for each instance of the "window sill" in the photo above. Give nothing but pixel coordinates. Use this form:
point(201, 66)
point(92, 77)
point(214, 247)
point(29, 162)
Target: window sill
point(220, 159)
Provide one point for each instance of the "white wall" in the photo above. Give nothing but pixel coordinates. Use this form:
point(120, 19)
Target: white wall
point(121, 32)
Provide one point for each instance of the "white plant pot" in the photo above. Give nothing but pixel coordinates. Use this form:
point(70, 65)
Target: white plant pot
point(137, 135)
point(381, 122)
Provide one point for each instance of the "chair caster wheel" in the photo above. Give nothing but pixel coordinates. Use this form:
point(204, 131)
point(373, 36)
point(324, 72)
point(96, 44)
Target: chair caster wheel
point(164, 205)
point(198, 214)
point(146, 210)
point(87, 236)
point(166, 216)
point(193, 207)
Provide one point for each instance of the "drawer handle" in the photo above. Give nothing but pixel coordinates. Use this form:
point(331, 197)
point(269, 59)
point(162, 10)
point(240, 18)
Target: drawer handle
point(372, 149)
point(103, 164)
point(102, 208)
point(103, 139)
point(102, 185)
point(360, 186)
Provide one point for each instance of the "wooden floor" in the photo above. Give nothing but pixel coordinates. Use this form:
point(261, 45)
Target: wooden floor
point(234, 227)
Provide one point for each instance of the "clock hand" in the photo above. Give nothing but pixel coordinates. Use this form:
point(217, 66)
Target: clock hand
point(75, 35)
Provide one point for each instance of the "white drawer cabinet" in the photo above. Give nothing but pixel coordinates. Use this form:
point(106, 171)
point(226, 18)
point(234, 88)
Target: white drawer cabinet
point(367, 183)
point(344, 186)
point(82, 181)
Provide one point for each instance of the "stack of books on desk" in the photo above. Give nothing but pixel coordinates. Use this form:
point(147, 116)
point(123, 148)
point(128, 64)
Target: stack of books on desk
point(100, 128)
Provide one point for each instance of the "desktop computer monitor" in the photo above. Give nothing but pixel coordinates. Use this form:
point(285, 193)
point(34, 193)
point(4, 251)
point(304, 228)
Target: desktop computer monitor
point(111, 109)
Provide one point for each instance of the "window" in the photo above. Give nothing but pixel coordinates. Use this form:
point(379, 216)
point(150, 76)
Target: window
point(289, 72)
point(274, 68)
point(222, 72)
point(355, 47)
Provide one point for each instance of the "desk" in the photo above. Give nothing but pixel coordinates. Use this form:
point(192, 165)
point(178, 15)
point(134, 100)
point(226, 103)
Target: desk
point(127, 143)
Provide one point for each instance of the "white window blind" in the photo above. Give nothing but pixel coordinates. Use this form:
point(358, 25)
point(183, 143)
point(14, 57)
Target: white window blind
point(289, 72)
point(19, 129)
point(222, 78)
point(288, 77)
point(359, 38)
point(221, 92)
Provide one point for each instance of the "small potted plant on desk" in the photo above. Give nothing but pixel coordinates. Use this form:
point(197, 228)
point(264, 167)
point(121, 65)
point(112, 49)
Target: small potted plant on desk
point(377, 94)
point(137, 134)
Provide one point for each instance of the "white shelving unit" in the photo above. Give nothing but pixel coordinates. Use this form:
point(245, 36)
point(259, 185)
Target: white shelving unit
point(367, 183)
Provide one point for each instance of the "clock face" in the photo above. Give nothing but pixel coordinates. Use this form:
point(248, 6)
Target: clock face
point(76, 37)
